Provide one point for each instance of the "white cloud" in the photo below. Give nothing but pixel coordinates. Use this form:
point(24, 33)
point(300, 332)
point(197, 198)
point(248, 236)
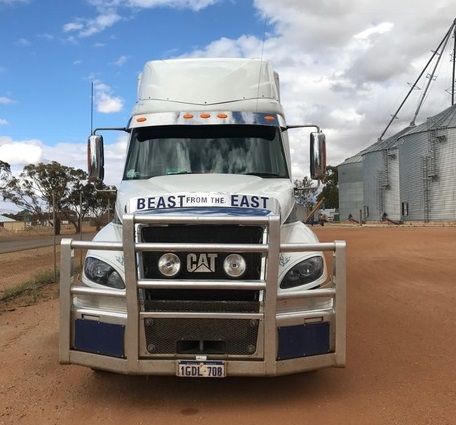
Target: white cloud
point(20, 152)
point(46, 36)
point(120, 61)
point(75, 155)
point(377, 29)
point(88, 27)
point(345, 65)
point(105, 101)
point(108, 104)
point(3, 122)
point(22, 42)
point(13, 2)
point(109, 13)
point(5, 100)
point(190, 4)
point(73, 26)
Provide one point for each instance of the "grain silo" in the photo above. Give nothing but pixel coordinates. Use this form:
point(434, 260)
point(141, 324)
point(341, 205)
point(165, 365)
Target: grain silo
point(411, 175)
point(427, 155)
point(350, 187)
point(380, 163)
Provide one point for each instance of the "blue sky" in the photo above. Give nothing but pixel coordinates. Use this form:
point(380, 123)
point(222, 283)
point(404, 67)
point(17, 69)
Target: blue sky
point(343, 64)
point(46, 72)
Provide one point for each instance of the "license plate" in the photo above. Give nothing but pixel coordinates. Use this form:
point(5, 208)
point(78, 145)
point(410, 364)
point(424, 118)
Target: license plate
point(201, 369)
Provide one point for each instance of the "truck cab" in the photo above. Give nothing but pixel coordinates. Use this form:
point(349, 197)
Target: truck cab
point(205, 270)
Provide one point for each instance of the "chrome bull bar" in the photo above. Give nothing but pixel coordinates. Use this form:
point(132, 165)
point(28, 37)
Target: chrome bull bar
point(268, 364)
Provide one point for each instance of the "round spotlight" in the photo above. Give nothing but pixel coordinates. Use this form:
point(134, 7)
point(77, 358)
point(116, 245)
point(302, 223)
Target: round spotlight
point(234, 265)
point(169, 264)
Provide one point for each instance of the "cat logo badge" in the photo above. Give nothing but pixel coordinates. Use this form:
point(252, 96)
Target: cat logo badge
point(201, 263)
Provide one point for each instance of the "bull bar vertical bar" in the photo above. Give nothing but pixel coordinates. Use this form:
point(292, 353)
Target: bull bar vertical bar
point(270, 310)
point(340, 281)
point(65, 301)
point(132, 328)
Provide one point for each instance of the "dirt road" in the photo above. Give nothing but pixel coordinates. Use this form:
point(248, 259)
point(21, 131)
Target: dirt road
point(401, 356)
point(32, 243)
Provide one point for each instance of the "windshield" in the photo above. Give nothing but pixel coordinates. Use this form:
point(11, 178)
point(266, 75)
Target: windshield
point(205, 149)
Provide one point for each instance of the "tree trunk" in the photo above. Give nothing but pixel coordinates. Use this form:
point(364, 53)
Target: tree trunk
point(57, 226)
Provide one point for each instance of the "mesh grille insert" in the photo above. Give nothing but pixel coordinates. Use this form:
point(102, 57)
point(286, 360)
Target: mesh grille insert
point(201, 336)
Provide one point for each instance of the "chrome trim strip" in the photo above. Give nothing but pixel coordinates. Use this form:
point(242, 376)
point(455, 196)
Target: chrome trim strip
point(232, 117)
point(201, 284)
point(142, 218)
point(100, 313)
point(296, 317)
point(298, 247)
point(309, 293)
point(105, 246)
point(198, 315)
point(200, 247)
point(86, 290)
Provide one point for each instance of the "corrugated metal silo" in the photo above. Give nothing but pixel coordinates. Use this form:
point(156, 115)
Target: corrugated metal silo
point(381, 179)
point(427, 155)
point(392, 200)
point(350, 174)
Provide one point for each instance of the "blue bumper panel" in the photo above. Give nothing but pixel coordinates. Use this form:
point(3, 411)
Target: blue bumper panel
point(100, 338)
point(303, 340)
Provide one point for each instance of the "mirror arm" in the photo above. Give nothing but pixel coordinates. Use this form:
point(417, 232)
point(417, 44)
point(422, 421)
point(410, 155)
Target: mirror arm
point(127, 130)
point(304, 126)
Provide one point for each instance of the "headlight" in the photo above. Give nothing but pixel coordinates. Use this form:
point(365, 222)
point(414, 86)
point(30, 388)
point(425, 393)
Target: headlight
point(234, 265)
point(169, 264)
point(304, 272)
point(102, 273)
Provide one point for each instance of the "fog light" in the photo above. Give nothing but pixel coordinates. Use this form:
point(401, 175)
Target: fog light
point(169, 264)
point(234, 265)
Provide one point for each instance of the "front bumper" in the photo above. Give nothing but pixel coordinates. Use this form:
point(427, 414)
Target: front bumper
point(297, 331)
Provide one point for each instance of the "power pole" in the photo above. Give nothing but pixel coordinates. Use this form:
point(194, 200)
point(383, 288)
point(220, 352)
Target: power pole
point(80, 228)
point(54, 240)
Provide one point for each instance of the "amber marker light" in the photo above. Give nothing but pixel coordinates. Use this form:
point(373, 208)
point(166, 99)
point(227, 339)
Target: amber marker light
point(269, 118)
point(205, 115)
point(141, 119)
point(188, 116)
point(222, 116)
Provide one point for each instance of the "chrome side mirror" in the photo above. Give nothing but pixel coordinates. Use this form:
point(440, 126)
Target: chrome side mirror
point(95, 157)
point(317, 155)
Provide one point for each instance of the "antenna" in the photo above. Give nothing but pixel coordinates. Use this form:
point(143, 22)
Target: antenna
point(91, 108)
point(261, 62)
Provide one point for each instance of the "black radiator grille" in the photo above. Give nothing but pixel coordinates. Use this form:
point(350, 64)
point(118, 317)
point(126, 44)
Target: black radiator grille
point(227, 234)
point(200, 300)
point(201, 336)
point(202, 306)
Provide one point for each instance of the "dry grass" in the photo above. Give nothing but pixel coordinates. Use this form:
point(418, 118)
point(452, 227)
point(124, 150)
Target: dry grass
point(29, 289)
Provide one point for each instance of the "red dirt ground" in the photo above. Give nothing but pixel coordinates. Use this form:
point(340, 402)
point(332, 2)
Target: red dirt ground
point(401, 355)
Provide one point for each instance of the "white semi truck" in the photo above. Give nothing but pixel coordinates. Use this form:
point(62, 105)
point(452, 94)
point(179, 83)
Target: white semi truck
point(205, 270)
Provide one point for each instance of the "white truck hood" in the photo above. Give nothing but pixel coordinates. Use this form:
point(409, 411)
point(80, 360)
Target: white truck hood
point(278, 192)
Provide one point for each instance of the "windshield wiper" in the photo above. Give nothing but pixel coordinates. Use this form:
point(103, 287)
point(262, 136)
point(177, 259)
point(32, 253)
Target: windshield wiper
point(179, 172)
point(265, 175)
